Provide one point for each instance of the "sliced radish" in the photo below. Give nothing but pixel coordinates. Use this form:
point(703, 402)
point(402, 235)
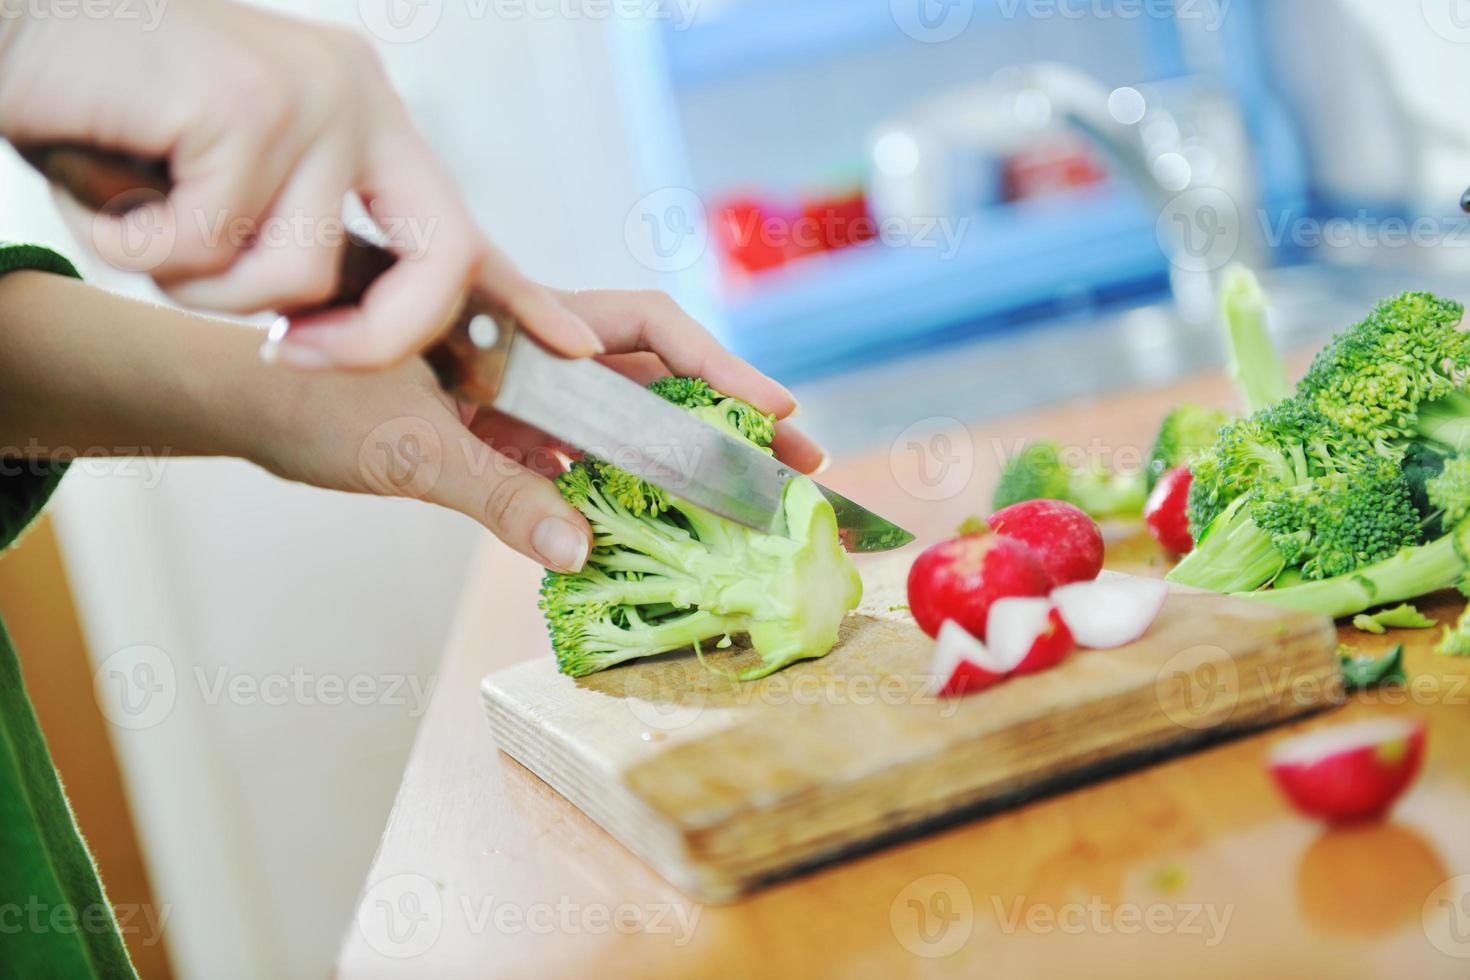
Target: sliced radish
point(962, 664)
point(1028, 633)
point(1112, 611)
point(1349, 772)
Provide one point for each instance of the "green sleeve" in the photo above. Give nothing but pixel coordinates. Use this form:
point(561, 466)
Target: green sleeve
point(55, 920)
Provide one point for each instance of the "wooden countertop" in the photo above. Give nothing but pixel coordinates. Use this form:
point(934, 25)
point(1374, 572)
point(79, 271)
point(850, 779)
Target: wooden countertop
point(1194, 866)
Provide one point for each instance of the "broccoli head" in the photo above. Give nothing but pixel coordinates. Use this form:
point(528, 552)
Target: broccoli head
point(1185, 432)
point(1039, 472)
point(664, 574)
point(1373, 378)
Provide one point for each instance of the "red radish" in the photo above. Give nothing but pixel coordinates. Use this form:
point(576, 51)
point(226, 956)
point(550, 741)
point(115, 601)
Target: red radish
point(962, 664)
point(959, 579)
point(1028, 633)
point(1112, 611)
point(1167, 511)
point(1349, 772)
point(1065, 540)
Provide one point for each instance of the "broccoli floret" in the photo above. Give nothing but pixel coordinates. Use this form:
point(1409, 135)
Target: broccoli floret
point(1039, 472)
point(1186, 432)
point(1378, 377)
point(1455, 642)
point(1255, 364)
point(664, 574)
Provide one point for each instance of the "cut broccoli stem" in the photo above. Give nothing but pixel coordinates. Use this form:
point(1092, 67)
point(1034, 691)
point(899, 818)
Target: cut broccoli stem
point(1232, 555)
point(1256, 366)
point(605, 644)
point(1410, 573)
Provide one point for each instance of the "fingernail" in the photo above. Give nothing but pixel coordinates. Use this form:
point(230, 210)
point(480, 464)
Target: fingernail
point(294, 355)
point(823, 465)
point(559, 545)
point(795, 410)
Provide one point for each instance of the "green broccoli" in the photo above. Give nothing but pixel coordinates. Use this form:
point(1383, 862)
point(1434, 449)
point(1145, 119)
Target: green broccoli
point(664, 574)
point(1039, 472)
point(1255, 364)
point(1185, 432)
point(1456, 642)
point(1348, 478)
point(1403, 617)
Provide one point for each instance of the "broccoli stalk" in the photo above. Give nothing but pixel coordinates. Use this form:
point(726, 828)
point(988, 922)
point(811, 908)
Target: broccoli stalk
point(664, 574)
point(1039, 472)
point(1411, 572)
point(1256, 366)
point(1455, 642)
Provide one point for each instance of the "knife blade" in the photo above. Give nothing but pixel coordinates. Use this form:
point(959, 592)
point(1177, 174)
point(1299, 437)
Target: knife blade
point(639, 432)
point(486, 360)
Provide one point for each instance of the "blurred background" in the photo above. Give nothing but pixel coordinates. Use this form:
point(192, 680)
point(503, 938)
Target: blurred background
point(907, 210)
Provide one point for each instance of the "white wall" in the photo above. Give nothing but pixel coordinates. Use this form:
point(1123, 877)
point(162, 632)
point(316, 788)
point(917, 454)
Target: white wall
point(259, 820)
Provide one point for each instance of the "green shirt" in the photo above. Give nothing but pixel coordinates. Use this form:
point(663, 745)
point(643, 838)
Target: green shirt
point(55, 920)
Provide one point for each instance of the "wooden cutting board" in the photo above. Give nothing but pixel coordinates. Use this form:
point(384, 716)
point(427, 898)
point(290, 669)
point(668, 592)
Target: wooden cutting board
point(722, 786)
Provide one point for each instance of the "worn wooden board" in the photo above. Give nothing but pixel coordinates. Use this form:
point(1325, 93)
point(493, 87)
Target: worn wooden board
point(722, 786)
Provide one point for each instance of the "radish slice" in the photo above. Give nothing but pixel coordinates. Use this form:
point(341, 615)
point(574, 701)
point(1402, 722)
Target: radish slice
point(1027, 634)
point(962, 664)
point(1349, 772)
point(1110, 612)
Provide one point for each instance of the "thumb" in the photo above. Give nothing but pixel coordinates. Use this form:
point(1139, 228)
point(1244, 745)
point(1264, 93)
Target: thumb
point(520, 507)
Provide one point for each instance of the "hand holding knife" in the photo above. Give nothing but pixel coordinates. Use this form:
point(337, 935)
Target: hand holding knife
point(486, 360)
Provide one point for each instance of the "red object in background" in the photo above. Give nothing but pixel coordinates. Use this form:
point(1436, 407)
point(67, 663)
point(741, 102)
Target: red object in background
point(840, 221)
point(1049, 168)
point(744, 237)
point(758, 235)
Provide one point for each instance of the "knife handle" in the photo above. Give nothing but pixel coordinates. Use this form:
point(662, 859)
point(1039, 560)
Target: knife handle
point(470, 359)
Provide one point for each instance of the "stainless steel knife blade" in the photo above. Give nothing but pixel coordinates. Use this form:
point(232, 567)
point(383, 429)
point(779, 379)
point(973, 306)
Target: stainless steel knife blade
point(641, 433)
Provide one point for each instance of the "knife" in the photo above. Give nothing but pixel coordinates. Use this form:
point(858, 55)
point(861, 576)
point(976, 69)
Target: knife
point(486, 360)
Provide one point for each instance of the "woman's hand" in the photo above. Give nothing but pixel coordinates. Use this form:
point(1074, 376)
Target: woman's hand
point(398, 434)
point(86, 372)
point(266, 122)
